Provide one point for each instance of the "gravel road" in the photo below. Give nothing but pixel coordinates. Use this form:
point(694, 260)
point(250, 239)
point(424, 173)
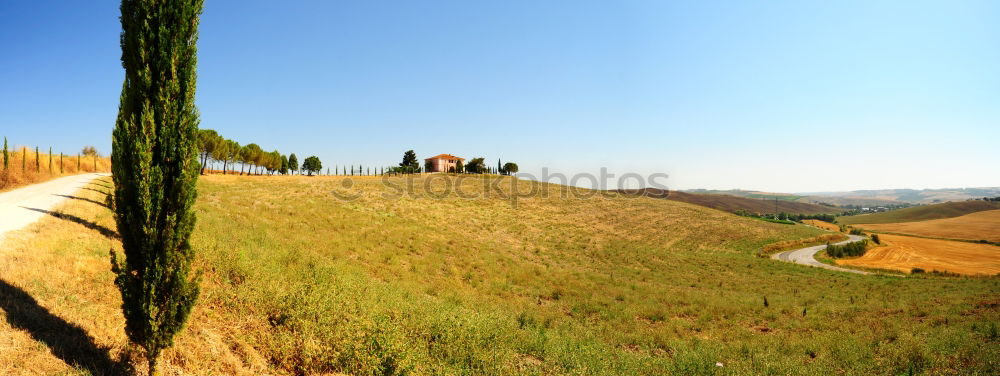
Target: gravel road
point(20, 207)
point(804, 256)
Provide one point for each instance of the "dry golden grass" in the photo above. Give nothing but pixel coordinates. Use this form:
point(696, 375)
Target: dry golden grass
point(297, 282)
point(983, 225)
point(63, 310)
point(904, 253)
point(22, 168)
point(822, 224)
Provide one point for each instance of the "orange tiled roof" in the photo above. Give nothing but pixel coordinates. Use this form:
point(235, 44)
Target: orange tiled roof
point(444, 156)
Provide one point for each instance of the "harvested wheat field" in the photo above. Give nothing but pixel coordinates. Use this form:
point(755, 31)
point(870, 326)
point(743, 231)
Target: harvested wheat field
point(821, 224)
point(906, 252)
point(976, 226)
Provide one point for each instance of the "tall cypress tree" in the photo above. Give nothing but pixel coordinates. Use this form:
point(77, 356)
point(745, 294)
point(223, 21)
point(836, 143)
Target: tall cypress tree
point(61, 163)
point(38, 165)
point(50, 159)
point(155, 167)
point(6, 156)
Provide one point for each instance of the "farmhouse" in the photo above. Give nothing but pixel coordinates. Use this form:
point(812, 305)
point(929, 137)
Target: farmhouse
point(442, 162)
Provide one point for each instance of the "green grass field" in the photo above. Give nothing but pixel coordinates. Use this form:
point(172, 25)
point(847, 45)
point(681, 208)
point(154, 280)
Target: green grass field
point(298, 282)
point(922, 213)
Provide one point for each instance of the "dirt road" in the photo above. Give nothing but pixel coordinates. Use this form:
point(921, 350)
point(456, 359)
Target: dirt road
point(804, 256)
point(22, 206)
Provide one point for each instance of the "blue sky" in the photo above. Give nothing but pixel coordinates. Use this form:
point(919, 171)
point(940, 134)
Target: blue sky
point(778, 96)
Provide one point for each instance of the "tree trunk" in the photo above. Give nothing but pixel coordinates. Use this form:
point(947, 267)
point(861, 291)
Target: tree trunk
point(204, 160)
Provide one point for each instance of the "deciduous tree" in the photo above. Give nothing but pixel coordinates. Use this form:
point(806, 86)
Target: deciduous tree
point(509, 168)
point(221, 152)
point(312, 165)
point(475, 166)
point(208, 140)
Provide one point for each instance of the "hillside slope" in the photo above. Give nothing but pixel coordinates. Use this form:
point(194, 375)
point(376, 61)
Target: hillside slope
point(570, 281)
point(733, 203)
point(923, 213)
point(981, 225)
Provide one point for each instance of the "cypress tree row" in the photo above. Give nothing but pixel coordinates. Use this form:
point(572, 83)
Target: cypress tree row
point(155, 168)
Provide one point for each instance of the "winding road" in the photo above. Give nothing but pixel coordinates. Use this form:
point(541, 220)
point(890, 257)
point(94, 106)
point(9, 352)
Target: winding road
point(804, 256)
point(22, 206)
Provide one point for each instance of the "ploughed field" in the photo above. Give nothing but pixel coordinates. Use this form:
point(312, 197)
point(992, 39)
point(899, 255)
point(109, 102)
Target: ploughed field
point(299, 281)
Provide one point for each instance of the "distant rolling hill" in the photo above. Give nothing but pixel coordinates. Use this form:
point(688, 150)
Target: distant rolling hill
point(730, 203)
point(922, 213)
point(923, 196)
point(831, 198)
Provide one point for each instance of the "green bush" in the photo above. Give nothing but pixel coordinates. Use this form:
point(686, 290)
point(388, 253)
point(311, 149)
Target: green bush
point(854, 249)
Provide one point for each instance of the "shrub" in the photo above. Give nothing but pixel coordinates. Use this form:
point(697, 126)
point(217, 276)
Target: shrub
point(854, 249)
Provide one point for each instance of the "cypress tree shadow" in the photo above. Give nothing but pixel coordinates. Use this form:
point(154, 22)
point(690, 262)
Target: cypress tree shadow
point(94, 190)
point(88, 224)
point(97, 183)
point(66, 340)
point(84, 199)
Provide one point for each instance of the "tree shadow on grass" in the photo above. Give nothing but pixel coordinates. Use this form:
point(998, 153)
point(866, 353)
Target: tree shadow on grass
point(66, 340)
point(94, 190)
point(72, 218)
point(98, 183)
point(84, 199)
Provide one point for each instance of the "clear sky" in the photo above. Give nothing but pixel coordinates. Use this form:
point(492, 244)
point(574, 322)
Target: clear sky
point(777, 96)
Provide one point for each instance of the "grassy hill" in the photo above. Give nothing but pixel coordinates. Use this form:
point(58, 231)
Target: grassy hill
point(730, 203)
point(299, 282)
point(922, 213)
